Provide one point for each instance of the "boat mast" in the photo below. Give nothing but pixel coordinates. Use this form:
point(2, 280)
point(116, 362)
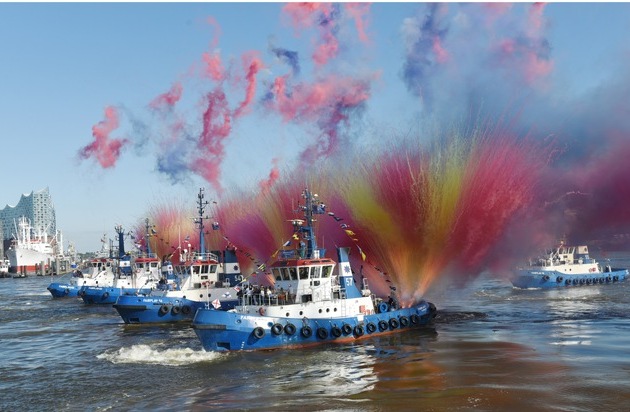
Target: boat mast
point(201, 206)
point(311, 207)
point(147, 235)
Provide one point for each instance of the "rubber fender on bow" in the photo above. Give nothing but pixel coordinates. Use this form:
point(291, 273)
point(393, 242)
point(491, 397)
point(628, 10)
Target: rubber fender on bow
point(335, 331)
point(175, 310)
point(346, 329)
point(415, 319)
point(393, 323)
point(370, 327)
point(258, 332)
point(358, 330)
point(382, 325)
point(289, 329)
point(322, 333)
point(164, 309)
point(404, 321)
point(306, 331)
point(277, 329)
point(105, 295)
point(185, 309)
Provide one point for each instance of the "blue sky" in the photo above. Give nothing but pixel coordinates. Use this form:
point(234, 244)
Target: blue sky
point(63, 63)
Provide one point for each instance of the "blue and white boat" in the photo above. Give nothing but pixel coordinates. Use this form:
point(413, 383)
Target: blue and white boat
point(140, 277)
point(207, 277)
point(565, 266)
point(97, 272)
point(311, 303)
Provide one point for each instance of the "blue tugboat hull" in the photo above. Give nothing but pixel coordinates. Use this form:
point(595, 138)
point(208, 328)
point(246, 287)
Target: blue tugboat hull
point(63, 290)
point(164, 309)
point(542, 279)
point(230, 331)
point(107, 295)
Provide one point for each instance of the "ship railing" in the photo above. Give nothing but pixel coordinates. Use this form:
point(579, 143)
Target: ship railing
point(205, 256)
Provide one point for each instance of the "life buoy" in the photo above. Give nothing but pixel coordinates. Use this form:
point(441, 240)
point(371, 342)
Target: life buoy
point(259, 332)
point(306, 331)
point(277, 329)
point(382, 325)
point(163, 309)
point(383, 307)
point(346, 329)
point(185, 309)
point(393, 323)
point(371, 327)
point(415, 319)
point(105, 295)
point(261, 311)
point(358, 330)
point(335, 331)
point(175, 310)
point(404, 321)
point(322, 333)
point(289, 329)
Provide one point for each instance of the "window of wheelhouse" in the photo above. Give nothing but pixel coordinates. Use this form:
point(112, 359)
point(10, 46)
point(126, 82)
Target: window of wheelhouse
point(293, 272)
point(326, 271)
point(304, 272)
point(316, 272)
point(285, 274)
point(276, 273)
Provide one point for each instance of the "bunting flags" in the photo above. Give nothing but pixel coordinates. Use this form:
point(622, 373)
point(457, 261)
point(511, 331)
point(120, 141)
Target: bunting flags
point(287, 243)
point(361, 252)
point(216, 303)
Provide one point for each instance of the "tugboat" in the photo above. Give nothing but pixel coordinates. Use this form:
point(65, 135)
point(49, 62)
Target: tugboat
point(97, 272)
point(141, 278)
point(208, 276)
point(566, 266)
point(312, 303)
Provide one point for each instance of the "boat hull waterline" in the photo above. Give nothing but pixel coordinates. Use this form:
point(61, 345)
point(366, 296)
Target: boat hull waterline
point(229, 331)
point(543, 279)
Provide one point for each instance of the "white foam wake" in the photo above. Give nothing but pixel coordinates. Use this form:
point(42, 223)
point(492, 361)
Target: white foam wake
point(145, 354)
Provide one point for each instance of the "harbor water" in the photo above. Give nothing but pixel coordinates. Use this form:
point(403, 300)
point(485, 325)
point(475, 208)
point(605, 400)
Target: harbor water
point(491, 348)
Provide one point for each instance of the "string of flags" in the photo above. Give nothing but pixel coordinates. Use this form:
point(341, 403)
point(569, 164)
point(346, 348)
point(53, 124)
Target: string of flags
point(352, 235)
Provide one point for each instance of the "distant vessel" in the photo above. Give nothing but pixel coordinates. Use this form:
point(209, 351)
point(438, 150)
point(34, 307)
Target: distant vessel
point(566, 266)
point(96, 272)
point(30, 249)
point(311, 304)
point(141, 276)
point(4, 268)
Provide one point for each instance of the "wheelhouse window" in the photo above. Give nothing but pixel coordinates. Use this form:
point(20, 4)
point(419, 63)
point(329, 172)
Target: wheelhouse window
point(293, 272)
point(276, 273)
point(326, 271)
point(316, 272)
point(285, 274)
point(304, 272)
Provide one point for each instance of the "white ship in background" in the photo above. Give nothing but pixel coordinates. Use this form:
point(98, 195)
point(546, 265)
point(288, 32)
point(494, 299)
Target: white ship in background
point(31, 248)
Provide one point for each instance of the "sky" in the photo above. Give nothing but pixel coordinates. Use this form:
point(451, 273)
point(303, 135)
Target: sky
point(118, 107)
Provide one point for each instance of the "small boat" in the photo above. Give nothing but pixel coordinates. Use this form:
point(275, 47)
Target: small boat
point(310, 303)
point(208, 276)
point(140, 277)
point(4, 268)
point(566, 266)
point(98, 271)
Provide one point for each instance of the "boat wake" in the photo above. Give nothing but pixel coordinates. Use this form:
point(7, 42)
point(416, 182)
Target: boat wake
point(145, 354)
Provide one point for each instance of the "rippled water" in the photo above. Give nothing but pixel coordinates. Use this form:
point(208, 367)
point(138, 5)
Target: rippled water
point(491, 347)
